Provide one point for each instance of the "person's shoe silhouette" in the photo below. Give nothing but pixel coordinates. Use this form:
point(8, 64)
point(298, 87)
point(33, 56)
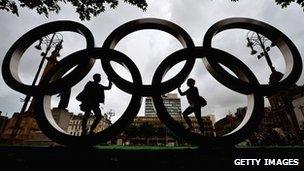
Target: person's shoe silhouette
point(190, 129)
point(84, 132)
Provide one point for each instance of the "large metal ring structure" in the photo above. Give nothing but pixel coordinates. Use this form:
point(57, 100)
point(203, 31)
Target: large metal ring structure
point(245, 83)
point(14, 55)
point(158, 24)
point(255, 101)
point(289, 51)
point(45, 118)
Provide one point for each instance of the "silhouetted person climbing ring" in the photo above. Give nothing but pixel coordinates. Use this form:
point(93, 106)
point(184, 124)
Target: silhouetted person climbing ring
point(90, 98)
point(195, 103)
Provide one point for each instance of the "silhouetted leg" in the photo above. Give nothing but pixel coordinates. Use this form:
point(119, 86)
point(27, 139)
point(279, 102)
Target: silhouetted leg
point(187, 112)
point(198, 115)
point(97, 113)
point(84, 122)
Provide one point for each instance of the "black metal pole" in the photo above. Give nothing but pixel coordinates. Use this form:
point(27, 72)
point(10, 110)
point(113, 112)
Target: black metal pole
point(285, 97)
point(27, 98)
point(266, 55)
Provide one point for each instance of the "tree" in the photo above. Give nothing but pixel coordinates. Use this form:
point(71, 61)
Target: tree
point(286, 3)
point(85, 8)
point(131, 131)
point(161, 131)
point(88, 8)
point(147, 130)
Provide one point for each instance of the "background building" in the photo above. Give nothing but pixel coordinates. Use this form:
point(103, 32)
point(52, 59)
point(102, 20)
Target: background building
point(75, 124)
point(28, 130)
point(230, 122)
point(287, 110)
point(3, 121)
point(171, 101)
point(149, 130)
point(298, 104)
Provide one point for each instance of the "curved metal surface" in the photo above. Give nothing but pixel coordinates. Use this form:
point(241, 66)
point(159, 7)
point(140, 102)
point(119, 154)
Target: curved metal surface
point(290, 53)
point(45, 118)
point(245, 83)
point(157, 24)
point(14, 55)
point(255, 100)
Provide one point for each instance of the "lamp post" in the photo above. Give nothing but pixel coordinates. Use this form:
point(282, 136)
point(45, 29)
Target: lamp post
point(50, 42)
point(110, 114)
point(256, 39)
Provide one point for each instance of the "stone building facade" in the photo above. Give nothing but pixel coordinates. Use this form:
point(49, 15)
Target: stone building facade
point(75, 124)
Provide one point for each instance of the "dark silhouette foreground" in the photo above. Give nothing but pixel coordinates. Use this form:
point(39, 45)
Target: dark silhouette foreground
point(195, 103)
point(90, 98)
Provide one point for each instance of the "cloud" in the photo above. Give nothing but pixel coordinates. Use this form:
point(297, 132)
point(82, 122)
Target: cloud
point(148, 48)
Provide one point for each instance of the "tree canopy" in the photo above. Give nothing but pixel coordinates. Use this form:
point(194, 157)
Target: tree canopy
point(88, 8)
point(85, 8)
point(285, 3)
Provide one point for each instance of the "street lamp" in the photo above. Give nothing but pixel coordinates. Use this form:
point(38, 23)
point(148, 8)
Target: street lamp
point(256, 39)
point(111, 113)
point(39, 45)
point(50, 42)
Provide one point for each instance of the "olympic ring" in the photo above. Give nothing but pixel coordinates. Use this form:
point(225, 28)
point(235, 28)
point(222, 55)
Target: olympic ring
point(42, 102)
point(288, 49)
point(158, 24)
point(245, 83)
point(14, 55)
point(255, 100)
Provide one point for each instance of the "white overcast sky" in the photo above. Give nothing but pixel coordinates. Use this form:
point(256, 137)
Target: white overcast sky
point(148, 48)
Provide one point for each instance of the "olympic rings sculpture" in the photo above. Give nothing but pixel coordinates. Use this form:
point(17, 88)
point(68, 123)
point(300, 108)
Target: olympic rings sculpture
point(56, 80)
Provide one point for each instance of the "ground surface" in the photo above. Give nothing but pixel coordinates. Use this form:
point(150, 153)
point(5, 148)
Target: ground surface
point(139, 157)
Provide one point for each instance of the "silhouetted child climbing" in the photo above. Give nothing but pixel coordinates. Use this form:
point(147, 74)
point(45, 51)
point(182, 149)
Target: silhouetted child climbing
point(195, 103)
point(90, 98)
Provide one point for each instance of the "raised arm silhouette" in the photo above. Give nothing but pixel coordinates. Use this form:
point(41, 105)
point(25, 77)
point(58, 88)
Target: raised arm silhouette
point(91, 96)
point(195, 103)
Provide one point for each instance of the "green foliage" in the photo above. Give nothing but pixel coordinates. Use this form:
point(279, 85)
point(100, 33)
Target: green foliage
point(161, 131)
point(131, 131)
point(89, 8)
point(9, 6)
point(286, 3)
point(146, 130)
point(229, 128)
point(85, 8)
